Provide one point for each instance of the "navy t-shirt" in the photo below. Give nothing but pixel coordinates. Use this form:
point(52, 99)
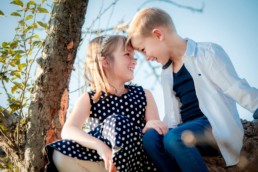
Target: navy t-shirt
point(185, 91)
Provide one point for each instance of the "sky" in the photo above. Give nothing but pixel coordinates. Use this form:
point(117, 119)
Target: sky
point(231, 23)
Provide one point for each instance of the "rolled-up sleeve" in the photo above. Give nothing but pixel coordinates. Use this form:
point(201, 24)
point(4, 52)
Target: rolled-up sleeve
point(224, 76)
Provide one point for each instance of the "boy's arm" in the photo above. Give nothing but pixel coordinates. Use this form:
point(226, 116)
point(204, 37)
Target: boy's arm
point(223, 74)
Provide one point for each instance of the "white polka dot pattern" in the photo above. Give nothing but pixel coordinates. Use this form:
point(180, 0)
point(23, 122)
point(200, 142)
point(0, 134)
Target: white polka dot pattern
point(118, 121)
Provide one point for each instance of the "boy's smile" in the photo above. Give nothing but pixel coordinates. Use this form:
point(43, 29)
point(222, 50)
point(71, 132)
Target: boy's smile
point(151, 47)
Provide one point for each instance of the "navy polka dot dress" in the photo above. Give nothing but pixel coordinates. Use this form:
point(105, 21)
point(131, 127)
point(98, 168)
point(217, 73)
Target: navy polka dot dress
point(118, 121)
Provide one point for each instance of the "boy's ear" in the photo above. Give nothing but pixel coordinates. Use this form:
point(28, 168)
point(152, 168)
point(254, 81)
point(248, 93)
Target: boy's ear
point(104, 62)
point(158, 33)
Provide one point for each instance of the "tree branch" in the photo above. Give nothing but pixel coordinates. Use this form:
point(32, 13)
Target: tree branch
point(200, 10)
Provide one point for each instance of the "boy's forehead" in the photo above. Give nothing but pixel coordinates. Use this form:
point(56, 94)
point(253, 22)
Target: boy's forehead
point(136, 42)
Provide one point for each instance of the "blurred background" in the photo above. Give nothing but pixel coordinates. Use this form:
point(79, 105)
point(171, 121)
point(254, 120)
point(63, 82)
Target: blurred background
point(230, 23)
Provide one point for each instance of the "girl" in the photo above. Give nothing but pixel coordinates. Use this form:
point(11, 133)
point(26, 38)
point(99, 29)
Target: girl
point(116, 115)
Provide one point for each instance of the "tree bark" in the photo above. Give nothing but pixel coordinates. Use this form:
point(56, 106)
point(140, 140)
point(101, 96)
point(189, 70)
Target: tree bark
point(49, 100)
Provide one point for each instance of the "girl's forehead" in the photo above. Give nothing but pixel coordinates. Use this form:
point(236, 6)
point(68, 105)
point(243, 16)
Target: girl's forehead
point(120, 46)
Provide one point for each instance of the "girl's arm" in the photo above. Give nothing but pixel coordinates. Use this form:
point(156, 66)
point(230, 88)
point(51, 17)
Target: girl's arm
point(72, 129)
point(152, 116)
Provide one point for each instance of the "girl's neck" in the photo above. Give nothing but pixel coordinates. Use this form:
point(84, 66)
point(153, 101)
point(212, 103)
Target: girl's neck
point(117, 90)
point(116, 87)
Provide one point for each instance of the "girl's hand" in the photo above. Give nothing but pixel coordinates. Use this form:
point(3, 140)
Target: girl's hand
point(106, 153)
point(112, 168)
point(158, 125)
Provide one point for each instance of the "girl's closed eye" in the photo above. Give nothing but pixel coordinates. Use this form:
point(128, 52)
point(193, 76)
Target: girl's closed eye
point(129, 55)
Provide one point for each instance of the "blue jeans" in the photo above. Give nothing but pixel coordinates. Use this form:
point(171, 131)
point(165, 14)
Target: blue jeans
point(170, 154)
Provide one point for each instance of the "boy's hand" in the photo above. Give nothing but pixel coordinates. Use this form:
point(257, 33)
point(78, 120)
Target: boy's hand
point(158, 125)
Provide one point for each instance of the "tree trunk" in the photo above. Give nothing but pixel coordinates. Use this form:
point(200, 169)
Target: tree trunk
point(49, 100)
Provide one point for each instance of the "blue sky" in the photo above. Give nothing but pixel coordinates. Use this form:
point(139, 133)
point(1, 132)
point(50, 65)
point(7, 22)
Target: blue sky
point(231, 23)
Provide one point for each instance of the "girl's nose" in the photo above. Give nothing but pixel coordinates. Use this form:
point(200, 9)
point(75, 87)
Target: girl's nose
point(134, 61)
point(147, 58)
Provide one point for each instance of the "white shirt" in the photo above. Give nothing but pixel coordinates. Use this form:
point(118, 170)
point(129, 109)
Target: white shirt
point(218, 88)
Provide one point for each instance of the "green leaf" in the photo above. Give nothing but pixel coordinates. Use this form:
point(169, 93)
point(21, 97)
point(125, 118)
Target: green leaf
point(29, 17)
point(30, 3)
point(34, 25)
point(21, 66)
point(5, 79)
point(16, 14)
point(14, 88)
point(22, 22)
point(17, 2)
point(3, 128)
point(17, 56)
point(9, 165)
point(11, 100)
point(14, 44)
point(44, 25)
point(2, 60)
point(36, 36)
point(35, 43)
point(1, 13)
point(43, 1)
point(15, 106)
point(42, 10)
point(16, 73)
point(10, 51)
point(23, 122)
point(19, 52)
point(1, 108)
point(4, 44)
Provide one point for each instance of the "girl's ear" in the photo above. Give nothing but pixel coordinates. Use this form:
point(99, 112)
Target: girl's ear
point(104, 62)
point(158, 33)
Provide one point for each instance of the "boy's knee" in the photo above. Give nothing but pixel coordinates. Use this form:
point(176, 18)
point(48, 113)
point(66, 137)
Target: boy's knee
point(172, 141)
point(150, 135)
point(151, 140)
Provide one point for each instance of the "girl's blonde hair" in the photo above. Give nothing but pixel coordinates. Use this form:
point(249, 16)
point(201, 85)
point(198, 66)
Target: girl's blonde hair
point(102, 46)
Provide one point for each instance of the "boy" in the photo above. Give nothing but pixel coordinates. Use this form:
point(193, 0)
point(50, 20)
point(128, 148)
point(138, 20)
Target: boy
point(200, 89)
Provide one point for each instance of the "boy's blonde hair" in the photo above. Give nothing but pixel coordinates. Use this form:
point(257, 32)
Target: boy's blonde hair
point(146, 20)
point(102, 46)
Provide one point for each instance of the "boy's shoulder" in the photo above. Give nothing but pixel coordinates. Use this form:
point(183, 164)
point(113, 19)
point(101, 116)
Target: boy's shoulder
point(204, 45)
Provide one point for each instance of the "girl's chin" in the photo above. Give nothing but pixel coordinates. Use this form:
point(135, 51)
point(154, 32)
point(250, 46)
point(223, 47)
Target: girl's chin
point(130, 79)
